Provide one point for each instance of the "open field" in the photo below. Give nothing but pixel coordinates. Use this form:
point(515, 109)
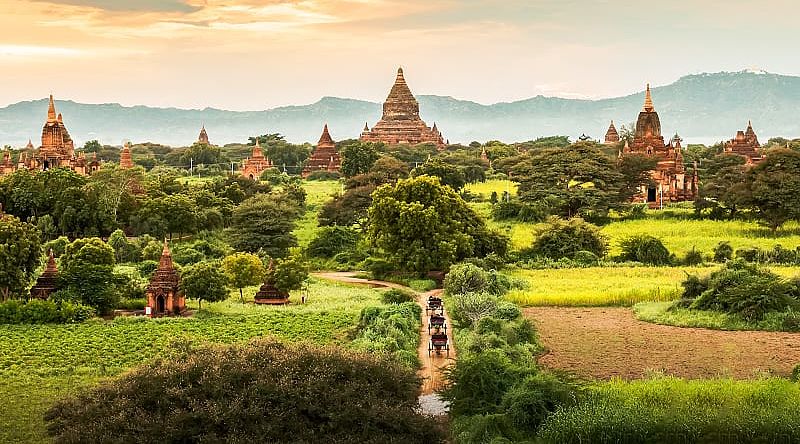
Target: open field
point(659, 313)
point(40, 363)
point(609, 342)
point(318, 192)
point(608, 286)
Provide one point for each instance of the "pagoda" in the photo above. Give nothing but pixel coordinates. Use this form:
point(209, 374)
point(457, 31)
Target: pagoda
point(7, 167)
point(746, 145)
point(401, 123)
point(256, 164)
point(48, 281)
point(164, 296)
point(203, 137)
point(612, 136)
point(269, 294)
point(324, 157)
point(125, 161)
point(670, 182)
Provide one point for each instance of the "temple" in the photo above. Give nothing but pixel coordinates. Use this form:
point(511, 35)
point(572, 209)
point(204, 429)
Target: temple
point(401, 123)
point(324, 157)
point(670, 182)
point(269, 294)
point(47, 283)
point(164, 296)
point(56, 151)
point(746, 144)
point(253, 166)
point(612, 136)
point(203, 137)
point(125, 160)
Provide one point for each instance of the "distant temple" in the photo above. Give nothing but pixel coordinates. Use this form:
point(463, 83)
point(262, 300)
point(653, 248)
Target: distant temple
point(269, 294)
point(164, 296)
point(612, 136)
point(401, 123)
point(125, 160)
point(746, 144)
point(671, 184)
point(324, 157)
point(57, 150)
point(256, 164)
point(47, 283)
point(203, 137)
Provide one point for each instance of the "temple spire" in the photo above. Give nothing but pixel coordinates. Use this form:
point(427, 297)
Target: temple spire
point(51, 110)
point(648, 101)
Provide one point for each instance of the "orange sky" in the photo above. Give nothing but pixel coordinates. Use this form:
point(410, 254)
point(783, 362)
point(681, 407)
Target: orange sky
point(251, 54)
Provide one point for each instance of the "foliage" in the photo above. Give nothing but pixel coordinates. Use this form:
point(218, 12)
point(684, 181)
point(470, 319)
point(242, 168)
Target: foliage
point(693, 257)
point(87, 273)
point(243, 269)
point(323, 175)
point(469, 308)
point(723, 252)
point(285, 156)
point(774, 185)
point(558, 239)
point(43, 312)
point(222, 392)
point(645, 249)
point(393, 330)
point(358, 158)
point(397, 296)
point(528, 404)
point(288, 274)
point(521, 211)
point(20, 255)
point(333, 240)
point(421, 226)
point(636, 171)
point(447, 173)
point(124, 251)
point(264, 223)
point(205, 281)
point(465, 278)
point(57, 246)
point(347, 209)
point(670, 313)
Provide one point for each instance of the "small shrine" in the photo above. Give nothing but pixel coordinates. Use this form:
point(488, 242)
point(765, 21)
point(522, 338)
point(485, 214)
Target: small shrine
point(47, 283)
point(268, 294)
point(325, 157)
point(164, 296)
point(612, 136)
point(256, 164)
point(125, 160)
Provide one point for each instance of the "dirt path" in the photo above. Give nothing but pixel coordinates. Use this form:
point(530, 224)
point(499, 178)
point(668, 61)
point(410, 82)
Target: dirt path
point(431, 374)
point(610, 342)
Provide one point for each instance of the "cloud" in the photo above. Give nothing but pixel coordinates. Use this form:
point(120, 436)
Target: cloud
point(130, 5)
point(37, 51)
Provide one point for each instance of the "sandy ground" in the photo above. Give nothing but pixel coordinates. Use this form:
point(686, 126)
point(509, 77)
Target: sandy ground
point(610, 342)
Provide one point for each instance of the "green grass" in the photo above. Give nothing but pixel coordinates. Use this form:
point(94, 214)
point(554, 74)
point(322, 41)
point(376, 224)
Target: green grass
point(611, 286)
point(659, 313)
point(484, 189)
point(671, 410)
point(318, 192)
point(41, 363)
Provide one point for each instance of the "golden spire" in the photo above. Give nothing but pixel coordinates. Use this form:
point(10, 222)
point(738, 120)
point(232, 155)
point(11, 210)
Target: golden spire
point(51, 110)
point(648, 101)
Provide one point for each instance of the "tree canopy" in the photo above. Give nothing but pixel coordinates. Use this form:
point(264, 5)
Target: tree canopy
point(20, 254)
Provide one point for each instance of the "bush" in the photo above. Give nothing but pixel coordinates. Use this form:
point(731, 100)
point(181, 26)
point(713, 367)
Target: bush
point(723, 252)
point(693, 257)
point(397, 296)
point(469, 308)
point(38, 311)
point(186, 255)
point(523, 212)
point(146, 268)
point(528, 404)
point(333, 240)
point(465, 278)
point(57, 245)
point(393, 330)
point(507, 311)
point(777, 255)
point(645, 249)
point(261, 392)
point(324, 175)
point(564, 239)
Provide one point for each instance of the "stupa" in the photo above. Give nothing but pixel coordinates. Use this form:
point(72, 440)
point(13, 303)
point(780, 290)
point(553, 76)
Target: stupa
point(48, 281)
point(268, 294)
point(324, 157)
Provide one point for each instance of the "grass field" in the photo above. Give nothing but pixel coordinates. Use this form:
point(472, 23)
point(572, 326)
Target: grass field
point(612, 286)
point(40, 363)
point(659, 313)
point(318, 192)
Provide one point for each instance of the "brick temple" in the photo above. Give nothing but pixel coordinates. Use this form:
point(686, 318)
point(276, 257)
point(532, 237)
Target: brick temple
point(253, 166)
point(401, 123)
point(125, 160)
point(203, 137)
point(324, 157)
point(670, 181)
point(746, 144)
point(47, 283)
point(612, 136)
point(164, 296)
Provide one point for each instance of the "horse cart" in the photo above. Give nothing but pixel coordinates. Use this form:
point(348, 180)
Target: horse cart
point(437, 343)
point(435, 305)
point(437, 323)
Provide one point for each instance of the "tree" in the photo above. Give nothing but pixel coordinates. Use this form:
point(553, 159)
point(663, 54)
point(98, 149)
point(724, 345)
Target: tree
point(564, 239)
point(774, 187)
point(124, 251)
point(636, 171)
point(725, 192)
point(288, 274)
point(386, 169)
point(243, 269)
point(87, 268)
point(447, 173)
point(358, 158)
point(20, 254)
point(205, 281)
point(347, 209)
point(422, 225)
point(201, 154)
point(264, 223)
point(331, 241)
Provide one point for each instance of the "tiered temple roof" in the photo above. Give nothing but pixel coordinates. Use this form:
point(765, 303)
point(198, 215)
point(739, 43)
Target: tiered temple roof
point(164, 295)
point(612, 136)
point(324, 157)
point(48, 281)
point(125, 160)
point(745, 144)
point(401, 122)
point(256, 164)
point(203, 137)
point(165, 276)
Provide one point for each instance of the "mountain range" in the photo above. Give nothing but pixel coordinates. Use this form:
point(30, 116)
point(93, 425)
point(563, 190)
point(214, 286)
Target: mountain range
point(702, 108)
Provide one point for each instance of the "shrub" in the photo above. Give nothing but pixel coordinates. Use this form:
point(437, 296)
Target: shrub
point(393, 330)
point(57, 245)
point(693, 257)
point(564, 239)
point(187, 255)
point(465, 278)
point(528, 404)
point(262, 392)
point(645, 249)
point(152, 251)
point(469, 308)
point(523, 212)
point(146, 268)
point(586, 258)
point(37, 311)
point(397, 296)
point(723, 252)
point(324, 175)
point(508, 311)
point(333, 240)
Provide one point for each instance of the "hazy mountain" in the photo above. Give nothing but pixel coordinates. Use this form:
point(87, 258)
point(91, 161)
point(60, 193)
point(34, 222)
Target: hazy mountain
point(702, 108)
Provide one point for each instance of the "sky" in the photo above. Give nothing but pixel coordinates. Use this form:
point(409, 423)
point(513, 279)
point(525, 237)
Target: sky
point(259, 54)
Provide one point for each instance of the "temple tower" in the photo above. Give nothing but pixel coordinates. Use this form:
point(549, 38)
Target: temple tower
point(256, 164)
point(125, 160)
point(612, 136)
point(324, 157)
point(48, 281)
point(164, 296)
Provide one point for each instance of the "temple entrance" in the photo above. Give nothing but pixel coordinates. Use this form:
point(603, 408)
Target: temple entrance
point(160, 304)
point(651, 194)
point(251, 177)
point(46, 165)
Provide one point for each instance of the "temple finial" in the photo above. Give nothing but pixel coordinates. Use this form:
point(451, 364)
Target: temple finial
point(51, 110)
point(648, 101)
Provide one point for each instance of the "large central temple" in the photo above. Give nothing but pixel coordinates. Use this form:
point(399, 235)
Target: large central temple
point(401, 123)
point(670, 181)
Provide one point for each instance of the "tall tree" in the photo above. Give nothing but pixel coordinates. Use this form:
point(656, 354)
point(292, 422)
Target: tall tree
point(358, 158)
point(87, 268)
point(20, 254)
point(774, 187)
point(447, 173)
point(243, 269)
point(264, 223)
point(205, 281)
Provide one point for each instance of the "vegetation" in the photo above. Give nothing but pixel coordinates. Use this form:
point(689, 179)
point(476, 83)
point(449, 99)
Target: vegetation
point(566, 239)
point(392, 330)
point(666, 313)
point(20, 252)
point(645, 249)
point(264, 223)
point(205, 281)
point(86, 274)
point(243, 270)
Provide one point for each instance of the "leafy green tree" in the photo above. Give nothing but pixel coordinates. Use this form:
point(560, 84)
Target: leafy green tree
point(243, 269)
point(347, 209)
point(87, 268)
point(124, 250)
point(774, 187)
point(201, 154)
point(20, 254)
point(358, 158)
point(264, 223)
point(422, 225)
point(289, 274)
point(724, 193)
point(564, 239)
point(386, 169)
point(636, 172)
point(205, 281)
point(331, 241)
point(92, 146)
point(447, 173)
point(468, 162)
